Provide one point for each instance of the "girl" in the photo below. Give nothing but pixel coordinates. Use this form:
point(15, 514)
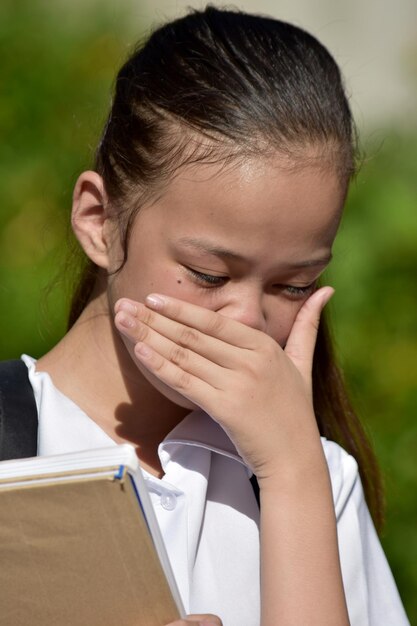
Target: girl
point(209, 217)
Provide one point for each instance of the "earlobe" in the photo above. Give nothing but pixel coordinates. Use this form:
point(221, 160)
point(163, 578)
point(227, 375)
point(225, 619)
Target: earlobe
point(88, 217)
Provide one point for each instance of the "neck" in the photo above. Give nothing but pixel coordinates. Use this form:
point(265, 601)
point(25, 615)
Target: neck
point(92, 366)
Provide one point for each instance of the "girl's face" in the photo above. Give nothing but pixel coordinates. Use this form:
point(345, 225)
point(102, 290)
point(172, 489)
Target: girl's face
point(248, 242)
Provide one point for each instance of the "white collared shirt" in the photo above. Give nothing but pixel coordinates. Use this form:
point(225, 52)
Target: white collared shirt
point(209, 517)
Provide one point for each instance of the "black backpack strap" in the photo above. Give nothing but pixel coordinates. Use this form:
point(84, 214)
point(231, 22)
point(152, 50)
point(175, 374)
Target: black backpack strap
point(18, 412)
point(255, 488)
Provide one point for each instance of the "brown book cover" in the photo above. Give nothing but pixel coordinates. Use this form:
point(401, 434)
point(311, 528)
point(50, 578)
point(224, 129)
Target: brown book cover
point(80, 545)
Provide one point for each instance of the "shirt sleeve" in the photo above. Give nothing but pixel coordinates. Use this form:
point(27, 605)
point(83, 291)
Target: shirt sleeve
point(371, 594)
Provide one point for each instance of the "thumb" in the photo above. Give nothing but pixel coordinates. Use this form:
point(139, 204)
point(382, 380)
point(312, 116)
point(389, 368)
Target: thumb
point(302, 339)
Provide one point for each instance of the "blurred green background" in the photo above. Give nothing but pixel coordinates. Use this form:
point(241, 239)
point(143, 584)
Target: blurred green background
point(57, 68)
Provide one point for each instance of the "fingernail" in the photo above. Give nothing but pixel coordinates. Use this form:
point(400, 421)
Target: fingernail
point(143, 350)
point(328, 296)
point(126, 320)
point(129, 307)
point(155, 302)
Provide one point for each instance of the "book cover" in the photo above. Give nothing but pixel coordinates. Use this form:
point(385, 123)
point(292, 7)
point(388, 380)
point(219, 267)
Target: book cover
point(80, 544)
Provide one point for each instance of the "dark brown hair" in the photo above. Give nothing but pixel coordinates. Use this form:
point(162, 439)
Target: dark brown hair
point(219, 85)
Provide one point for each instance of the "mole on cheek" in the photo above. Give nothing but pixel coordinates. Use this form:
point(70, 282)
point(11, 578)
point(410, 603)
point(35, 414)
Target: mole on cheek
point(179, 281)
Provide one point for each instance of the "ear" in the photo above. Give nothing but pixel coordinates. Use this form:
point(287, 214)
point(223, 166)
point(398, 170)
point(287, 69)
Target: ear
point(89, 218)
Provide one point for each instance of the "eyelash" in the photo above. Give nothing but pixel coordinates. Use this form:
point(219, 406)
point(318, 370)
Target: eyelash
point(212, 281)
point(208, 279)
point(300, 291)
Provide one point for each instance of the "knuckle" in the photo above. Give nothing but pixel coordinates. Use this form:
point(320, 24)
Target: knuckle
point(178, 355)
point(159, 366)
point(215, 325)
point(253, 367)
point(142, 333)
point(147, 317)
point(315, 323)
point(270, 349)
point(188, 336)
point(183, 380)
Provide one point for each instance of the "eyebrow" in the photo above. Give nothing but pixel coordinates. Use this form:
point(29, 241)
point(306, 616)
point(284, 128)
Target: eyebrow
point(204, 245)
point(313, 262)
point(209, 247)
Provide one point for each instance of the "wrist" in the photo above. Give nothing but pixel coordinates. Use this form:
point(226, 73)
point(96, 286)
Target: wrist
point(294, 455)
point(295, 473)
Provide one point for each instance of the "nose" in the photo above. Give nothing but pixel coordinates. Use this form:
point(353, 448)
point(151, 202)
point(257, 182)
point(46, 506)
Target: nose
point(246, 308)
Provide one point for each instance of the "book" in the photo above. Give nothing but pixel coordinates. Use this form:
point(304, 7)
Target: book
point(80, 544)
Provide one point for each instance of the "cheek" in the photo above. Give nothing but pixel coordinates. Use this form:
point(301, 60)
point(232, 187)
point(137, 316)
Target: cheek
point(140, 277)
point(281, 319)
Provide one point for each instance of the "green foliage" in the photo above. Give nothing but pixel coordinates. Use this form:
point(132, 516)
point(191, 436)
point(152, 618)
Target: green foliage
point(375, 318)
point(58, 63)
point(57, 67)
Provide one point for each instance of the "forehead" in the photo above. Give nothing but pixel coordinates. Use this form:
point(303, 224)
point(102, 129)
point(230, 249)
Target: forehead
point(264, 202)
point(256, 188)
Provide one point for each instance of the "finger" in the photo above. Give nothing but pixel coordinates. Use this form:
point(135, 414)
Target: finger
point(208, 322)
point(193, 388)
point(132, 315)
point(186, 359)
point(302, 340)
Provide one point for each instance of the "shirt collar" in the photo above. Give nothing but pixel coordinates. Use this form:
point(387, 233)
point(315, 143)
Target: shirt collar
point(200, 430)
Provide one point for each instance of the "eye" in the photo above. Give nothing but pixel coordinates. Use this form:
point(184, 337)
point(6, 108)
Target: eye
point(209, 280)
point(300, 292)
